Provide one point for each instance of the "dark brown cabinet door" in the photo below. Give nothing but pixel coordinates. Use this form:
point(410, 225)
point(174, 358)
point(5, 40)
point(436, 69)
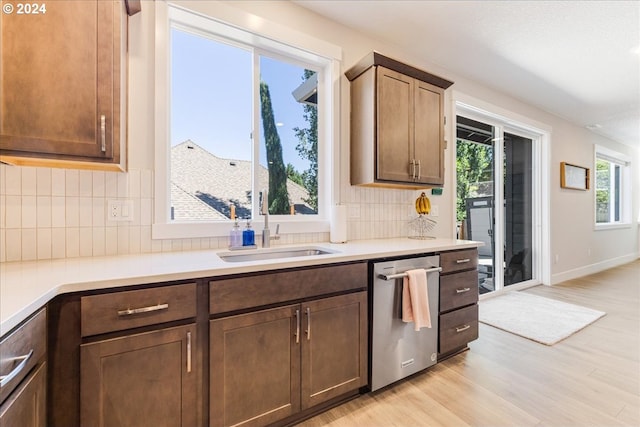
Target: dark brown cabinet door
point(255, 367)
point(395, 134)
point(26, 407)
point(334, 350)
point(410, 139)
point(148, 379)
point(60, 82)
point(429, 133)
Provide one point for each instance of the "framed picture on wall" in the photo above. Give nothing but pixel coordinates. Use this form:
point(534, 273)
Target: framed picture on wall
point(574, 177)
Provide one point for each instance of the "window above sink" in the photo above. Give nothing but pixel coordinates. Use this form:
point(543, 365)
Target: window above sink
point(195, 92)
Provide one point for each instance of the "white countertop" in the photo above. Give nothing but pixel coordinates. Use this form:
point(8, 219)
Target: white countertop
point(27, 286)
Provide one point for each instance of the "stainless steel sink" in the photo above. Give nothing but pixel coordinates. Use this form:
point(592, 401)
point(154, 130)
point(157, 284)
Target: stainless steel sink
point(260, 255)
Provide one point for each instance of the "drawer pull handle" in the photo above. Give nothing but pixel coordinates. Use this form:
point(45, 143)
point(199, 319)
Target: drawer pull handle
point(463, 290)
point(462, 328)
point(132, 311)
point(463, 261)
point(188, 352)
point(103, 133)
point(297, 326)
point(308, 331)
point(24, 360)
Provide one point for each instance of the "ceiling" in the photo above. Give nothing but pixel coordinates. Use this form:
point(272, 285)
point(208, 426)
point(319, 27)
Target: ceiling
point(579, 60)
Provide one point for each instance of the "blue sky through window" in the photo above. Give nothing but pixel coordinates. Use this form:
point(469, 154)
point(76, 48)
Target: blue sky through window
point(211, 98)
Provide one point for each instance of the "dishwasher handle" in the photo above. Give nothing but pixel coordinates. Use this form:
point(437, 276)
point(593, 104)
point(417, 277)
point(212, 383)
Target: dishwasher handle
point(401, 275)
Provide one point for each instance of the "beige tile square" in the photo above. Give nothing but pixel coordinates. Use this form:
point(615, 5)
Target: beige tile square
point(72, 242)
point(98, 178)
point(3, 211)
point(134, 240)
point(86, 241)
point(58, 182)
point(98, 241)
point(13, 244)
point(58, 243)
point(85, 180)
point(72, 182)
point(3, 178)
point(146, 184)
point(72, 211)
point(134, 183)
point(123, 240)
point(13, 181)
point(111, 240)
point(123, 185)
point(29, 212)
point(43, 182)
point(13, 211)
point(3, 246)
point(98, 211)
point(29, 244)
point(44, 213)
point(145, 239)
point(58, 209)
point(44, 243)
point(86, 211)
point(111, 184)
point(146, 213)
point(29, 181)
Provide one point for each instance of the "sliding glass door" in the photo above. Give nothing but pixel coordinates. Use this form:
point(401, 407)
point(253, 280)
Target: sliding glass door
point(495, 172)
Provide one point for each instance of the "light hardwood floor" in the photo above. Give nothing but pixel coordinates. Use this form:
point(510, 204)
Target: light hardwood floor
point(591, 378)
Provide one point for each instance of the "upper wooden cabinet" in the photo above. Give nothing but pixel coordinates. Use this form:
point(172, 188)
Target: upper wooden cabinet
point(62, 80)
point(397, 124)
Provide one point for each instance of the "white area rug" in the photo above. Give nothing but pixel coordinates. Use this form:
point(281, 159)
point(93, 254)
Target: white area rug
point(540, 319)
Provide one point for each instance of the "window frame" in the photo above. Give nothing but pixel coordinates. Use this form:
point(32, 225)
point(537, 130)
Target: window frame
point(277, 42)
point(624, 162)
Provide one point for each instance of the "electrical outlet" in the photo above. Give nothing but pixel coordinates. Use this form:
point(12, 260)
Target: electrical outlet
point(435, 211)
point(120, 210)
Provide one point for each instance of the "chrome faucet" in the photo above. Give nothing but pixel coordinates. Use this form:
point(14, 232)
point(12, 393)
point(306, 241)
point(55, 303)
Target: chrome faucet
point(264, 210)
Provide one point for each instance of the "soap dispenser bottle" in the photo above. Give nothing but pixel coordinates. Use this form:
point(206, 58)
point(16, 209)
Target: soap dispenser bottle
point(235, 236)
point(248, 235)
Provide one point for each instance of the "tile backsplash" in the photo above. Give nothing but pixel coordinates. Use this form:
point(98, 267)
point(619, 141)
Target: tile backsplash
point(50, 213)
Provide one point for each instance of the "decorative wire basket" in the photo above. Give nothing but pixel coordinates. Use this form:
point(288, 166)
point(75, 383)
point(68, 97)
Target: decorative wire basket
point(420, 226)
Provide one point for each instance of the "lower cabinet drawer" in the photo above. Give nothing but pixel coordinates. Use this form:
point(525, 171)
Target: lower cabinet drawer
point(118, 311)
point(458, 290)
point(21, 351)
point(457, 328)
point(459, 260)
point(27, 405)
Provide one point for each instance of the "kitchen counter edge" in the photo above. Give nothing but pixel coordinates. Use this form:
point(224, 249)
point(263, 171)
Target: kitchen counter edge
point(27, 286)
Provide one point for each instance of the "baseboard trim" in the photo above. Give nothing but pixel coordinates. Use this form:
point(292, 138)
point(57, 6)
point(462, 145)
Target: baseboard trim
point(592, 268)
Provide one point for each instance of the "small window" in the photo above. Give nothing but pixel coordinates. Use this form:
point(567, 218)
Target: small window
point(612, 188)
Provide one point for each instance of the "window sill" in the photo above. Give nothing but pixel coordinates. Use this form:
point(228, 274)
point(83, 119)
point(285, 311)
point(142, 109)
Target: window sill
point(194, 230)
point(602, 227)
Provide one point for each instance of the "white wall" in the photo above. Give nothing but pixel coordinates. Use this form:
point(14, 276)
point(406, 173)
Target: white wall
point(380, 212)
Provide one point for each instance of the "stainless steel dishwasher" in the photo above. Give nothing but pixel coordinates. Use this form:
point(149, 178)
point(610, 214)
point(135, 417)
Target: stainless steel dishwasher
point(397, 350)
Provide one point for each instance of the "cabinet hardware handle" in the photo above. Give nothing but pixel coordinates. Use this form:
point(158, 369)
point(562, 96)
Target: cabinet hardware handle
point(462, 328)
point(412, 164)
point(463, 290)
point(132, 311)
point(188, 352)
point(308, 331)
point(103, 133)
point(297, 326)
point(401, 275)
point(462, 261)
point(5, 379)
